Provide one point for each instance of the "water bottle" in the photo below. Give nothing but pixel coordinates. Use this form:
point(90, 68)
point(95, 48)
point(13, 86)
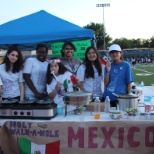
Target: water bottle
point(107, 104)
point(97, 108)
point(142, 85)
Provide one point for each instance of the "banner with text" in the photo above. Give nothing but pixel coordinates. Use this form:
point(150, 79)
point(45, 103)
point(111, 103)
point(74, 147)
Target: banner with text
point(79, 137)
point(80, 45)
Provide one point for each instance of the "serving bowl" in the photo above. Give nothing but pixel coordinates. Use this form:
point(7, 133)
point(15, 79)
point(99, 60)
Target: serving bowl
point(10, 101)
point(116, 115)
point(30, 101)
point(77, 98)
point(131, 111)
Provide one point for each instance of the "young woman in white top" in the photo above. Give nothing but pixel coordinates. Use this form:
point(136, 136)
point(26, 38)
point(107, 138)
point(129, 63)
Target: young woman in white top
point(34, 73)
point(91, 73)
point(58, 80)
point(11, 74)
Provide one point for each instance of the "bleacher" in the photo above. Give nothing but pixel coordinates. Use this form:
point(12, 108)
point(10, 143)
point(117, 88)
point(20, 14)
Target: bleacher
point(129, 53)
point(139, 53)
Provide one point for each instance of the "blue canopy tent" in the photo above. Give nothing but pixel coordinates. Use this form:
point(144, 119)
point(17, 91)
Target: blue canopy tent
point(40, 27)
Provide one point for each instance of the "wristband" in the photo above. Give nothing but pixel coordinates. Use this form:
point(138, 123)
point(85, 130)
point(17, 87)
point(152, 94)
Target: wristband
point(108, 72)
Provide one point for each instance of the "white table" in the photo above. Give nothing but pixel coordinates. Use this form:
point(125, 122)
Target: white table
point(83, 134)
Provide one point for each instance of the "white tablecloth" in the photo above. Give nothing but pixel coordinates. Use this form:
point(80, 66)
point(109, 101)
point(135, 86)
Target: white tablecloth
point(86, 116)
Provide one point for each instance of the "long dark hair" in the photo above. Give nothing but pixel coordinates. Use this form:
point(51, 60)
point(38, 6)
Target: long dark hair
point(49, 76)
point(65, 44)
point(18, 65)
point(89, 72)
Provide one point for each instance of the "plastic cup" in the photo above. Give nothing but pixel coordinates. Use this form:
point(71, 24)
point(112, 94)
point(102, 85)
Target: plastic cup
point(97, 116)
point(148, 108)
point(59, 110)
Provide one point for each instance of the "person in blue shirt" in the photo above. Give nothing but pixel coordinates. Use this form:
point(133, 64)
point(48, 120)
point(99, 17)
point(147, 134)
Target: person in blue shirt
point(118, 75)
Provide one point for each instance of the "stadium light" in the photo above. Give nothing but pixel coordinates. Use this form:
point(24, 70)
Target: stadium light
point(103, 5)
point(149, 40)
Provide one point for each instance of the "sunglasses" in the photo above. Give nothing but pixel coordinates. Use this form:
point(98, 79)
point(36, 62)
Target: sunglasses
point(112, 52)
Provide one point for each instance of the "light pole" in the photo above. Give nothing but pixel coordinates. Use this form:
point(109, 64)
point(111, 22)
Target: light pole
point(149, 40)
point(103, 5)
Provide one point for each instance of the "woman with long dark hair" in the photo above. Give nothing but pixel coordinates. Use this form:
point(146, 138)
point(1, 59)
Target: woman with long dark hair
point(90, 73)
point(12, 75)
point(59, 80)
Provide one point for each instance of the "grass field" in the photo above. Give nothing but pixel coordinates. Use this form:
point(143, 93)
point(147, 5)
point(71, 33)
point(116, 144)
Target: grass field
point(144, 73)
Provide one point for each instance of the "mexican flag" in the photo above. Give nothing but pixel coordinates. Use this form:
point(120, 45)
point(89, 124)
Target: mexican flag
point(28, 147)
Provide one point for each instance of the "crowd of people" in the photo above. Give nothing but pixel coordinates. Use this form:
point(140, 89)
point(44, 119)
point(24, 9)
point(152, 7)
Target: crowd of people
point(143, 60)
point(38, 78)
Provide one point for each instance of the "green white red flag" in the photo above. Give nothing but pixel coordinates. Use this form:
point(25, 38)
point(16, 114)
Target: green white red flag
point(28, 147)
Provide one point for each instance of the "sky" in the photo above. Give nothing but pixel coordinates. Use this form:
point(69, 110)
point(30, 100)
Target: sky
point(131, 19)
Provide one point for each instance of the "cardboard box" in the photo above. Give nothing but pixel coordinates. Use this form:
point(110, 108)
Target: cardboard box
point(90, 106)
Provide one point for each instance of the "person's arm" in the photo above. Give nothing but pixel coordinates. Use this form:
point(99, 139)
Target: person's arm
point(129, 87)
point(21, 85)
point(80, 85)
point(55, 92)
point(106, 79)
point(30, 84)
point(107, 76)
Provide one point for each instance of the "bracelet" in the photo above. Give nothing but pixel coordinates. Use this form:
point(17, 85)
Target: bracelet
point(108, 72)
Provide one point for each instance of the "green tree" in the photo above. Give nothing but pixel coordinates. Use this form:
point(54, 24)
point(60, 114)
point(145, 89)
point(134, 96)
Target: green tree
point(152, 42)
point(123, 42)
point(99, 30)
point(131, 43)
